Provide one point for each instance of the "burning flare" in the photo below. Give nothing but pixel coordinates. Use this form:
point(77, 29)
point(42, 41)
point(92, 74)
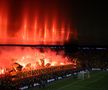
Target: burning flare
point(28, 58)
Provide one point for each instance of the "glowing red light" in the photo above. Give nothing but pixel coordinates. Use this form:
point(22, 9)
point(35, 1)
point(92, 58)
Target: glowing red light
point(3, 23)
point(34, 27)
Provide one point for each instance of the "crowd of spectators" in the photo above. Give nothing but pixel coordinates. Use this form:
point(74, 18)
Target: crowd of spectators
point(93, 58)
point(86, 59)
point(38, 80)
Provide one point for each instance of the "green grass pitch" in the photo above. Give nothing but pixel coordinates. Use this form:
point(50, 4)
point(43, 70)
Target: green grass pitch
point(98, 81)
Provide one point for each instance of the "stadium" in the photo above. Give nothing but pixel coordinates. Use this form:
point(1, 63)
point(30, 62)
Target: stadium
point(49, 45)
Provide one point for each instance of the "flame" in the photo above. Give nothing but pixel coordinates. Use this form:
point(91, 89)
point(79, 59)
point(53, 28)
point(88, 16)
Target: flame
point(2, 71)
point(31, 58)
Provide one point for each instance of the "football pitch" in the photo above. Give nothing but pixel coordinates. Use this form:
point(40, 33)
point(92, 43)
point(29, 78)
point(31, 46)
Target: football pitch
point(98, 81)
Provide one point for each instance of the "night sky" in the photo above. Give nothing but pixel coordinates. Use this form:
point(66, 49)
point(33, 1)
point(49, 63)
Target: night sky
point(89, 17)
point(91, 21)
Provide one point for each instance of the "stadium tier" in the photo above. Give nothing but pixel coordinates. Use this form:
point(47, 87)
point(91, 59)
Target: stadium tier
point(15, 80)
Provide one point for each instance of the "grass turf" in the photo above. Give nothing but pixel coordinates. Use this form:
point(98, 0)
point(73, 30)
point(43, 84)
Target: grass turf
point(98, 81)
